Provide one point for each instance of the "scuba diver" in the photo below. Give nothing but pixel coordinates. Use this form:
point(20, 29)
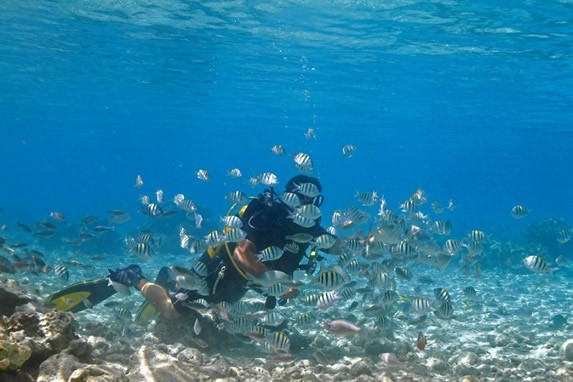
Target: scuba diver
point(230, 268)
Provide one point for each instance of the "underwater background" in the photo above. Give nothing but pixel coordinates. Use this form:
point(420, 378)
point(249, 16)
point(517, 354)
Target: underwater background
point(470, 101)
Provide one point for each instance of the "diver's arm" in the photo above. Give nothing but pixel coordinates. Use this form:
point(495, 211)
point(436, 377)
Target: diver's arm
point(245, 255)
point(159, 298)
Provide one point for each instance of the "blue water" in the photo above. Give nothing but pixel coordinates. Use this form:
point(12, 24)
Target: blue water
point(470, 101)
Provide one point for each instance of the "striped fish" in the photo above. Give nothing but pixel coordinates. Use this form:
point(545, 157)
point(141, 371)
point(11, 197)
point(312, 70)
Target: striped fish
point(537, 264)
point(268, 179)
point(61, 272)
point(234, 235)
point(290, 199)
point(309, 211)
point(368, 198)
point(231, 221)
point(279, 342)
point(442, 295)
point(307, 189)
point(469, 292)
point(445, 311)
point(310, 299)
point(420, 305)
point(519, 212)
point(123, 314)
point(348, 150)
point(270, 253)
point(301, 220)
point(327, 299)
point(237, 197)
point(305, 319)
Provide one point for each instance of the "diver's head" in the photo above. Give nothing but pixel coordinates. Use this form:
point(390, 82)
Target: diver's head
point(294, 186)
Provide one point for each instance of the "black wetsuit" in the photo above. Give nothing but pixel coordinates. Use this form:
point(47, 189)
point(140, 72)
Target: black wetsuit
point(266, 222)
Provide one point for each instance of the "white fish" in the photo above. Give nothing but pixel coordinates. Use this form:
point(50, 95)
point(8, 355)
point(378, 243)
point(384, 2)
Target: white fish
point(231, 221)
point(324, 241)
point(341, 328)
point(278, 150)
point(197, 327)
point(214, 238)
point(307, 189)
point(290, 199)
point(310, 134)
point(235, 235)
point(300, 237)
point(269, 278)
point(237, 196)
point(367, 198)
point(537, 264)
point(159, 196)
point(270, 253)
point(119, 288)
point(303, 162)
point(234, 173)
point(138, 181)
point(268, 179)
point(348, 150)
point(301, 220)
point(327, 299)
point(519, 212)
point(198, 220)
point(203, 175)
point(309, 211)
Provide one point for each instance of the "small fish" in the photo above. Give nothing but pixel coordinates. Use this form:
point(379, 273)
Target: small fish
point(331, 279)
point(303, 162)
point(452, 246)
point(421, 341)
point(278, 150)
point(231, 221)
point(442, 295)
point(519, 212)
point(234, 235)
point(200, 268)
point(159, 196)
point(305, 319)
point(348, 151)
point(62, 272)
point(270, 253)
point(341, 328)
point(301, 238)
point(269, 278)
point(420, 305)
point(309, 211)
point(142, 250)
point(279, 342)
point(23, 227)
point(445, 311)
point(311, 299)
point(558, 321)
point(290, 199)
point(390, 359)
point(119, 288)
point(324, 241)
point(234, 173)
point(203, 175)
point(152, 209)
point(477, 235)
point(537, 264)
point(198, 218)
point(564, 235)
point(307, 189)
point(138, 181)
point(404, 273)
point(57, 216)
point(310, 134)
point(197, 327)
point(301, 220)
point(327, 299)
point(469, 292)
point(237, 197)
point(253, 181)
point(214, 238)
point(90, 219)
point(268, 179)
point(123, 314)
point(101, 228)
point(367, 198)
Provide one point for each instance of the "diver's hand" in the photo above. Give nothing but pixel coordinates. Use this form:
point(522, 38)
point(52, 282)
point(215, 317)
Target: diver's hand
point(128, 276)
